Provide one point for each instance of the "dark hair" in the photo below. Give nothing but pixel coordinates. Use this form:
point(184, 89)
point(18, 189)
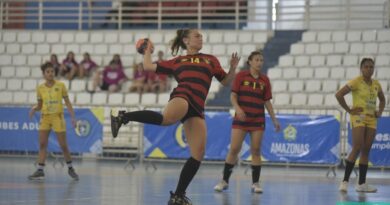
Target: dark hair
point(46, 66)
point(364, 60)
point(253, 54)
point(177, 42)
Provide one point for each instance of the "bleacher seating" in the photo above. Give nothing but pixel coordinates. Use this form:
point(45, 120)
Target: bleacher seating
point(324, 61)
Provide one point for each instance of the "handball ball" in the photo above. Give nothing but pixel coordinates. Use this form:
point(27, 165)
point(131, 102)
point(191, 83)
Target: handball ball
point(142, 45)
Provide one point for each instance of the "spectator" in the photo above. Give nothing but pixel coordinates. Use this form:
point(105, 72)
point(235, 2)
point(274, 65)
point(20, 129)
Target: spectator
point(69, 66)
point(87, 66)
point(110, 79)
point(117, 58)
point(56, 65)
point(139, 77)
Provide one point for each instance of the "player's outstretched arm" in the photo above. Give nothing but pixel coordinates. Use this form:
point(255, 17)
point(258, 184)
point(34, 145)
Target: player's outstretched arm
point(148, 63)
point(232, 70)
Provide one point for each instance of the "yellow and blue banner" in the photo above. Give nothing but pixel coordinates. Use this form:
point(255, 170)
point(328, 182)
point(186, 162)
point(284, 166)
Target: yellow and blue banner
point(304, 139)
point(380, 149)
point(19, 133)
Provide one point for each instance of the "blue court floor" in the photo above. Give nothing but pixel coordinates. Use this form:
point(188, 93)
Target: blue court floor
point(108, 183)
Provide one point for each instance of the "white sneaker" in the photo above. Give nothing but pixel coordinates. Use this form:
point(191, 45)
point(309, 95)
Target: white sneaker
point(343, 186)
point(365, 188)
point(222, 185)
point(256, 188)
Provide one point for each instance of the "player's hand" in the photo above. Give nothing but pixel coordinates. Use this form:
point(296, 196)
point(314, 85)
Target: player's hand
point(234, 60)
point(32, 112)
point(356, 111)
point(378, 114)
point(240, 114)
point(276, 125)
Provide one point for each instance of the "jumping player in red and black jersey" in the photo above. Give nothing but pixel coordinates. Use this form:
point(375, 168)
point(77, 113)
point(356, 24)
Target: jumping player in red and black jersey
point(194, 73)
point(251, 91)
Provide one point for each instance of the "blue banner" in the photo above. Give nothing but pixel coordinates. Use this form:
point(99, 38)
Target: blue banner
point(380, 149)
point(303, 139)
point(19, 133)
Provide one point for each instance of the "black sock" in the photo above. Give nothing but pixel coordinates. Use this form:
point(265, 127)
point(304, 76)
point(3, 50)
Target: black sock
point(256, 173)
point(144, 116)
point(362, 173)
point(227, 171)
point(348, 169)
point(187, 173)
point(41, 166)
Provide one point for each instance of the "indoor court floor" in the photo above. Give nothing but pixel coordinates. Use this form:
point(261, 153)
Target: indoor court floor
point(109, 183)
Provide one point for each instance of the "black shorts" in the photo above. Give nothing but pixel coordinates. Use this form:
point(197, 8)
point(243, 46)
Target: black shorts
point(104, 86)
point(191, 112)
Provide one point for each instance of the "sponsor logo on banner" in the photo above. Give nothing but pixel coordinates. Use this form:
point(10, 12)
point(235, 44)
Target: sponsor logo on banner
point(290, 149)
point(180, 137)
point(382, 141)
point(83, 128)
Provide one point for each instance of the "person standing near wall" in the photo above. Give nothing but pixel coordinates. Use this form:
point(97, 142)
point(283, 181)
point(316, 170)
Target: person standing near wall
point(363, 117)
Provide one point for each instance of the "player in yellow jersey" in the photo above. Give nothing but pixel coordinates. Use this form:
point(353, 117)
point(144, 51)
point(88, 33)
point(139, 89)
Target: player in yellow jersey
point(364, 114)
point(50, 95)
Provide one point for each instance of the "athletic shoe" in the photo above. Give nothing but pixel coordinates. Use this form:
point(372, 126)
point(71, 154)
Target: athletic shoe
point(365, 188)
point(116, 122)
point(343, 186)
point(222, 185)
point(179, 199)
point(72, 173)
point(256, 188)
point(38, 175)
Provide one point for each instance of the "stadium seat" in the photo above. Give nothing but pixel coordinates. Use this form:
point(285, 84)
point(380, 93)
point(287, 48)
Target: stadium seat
point(321, 73)
point(13, 48)
point(290, 73)
point(5, 59)
point(337, 73)
point(38, 37)
point(28, 48)
point(117, 48)
point(3, 84)
point(312, 48)
point(383, 73)
point(354, 36)
point(260, 37)
point(14, 84)
point(333, 60)
point(132, 99)
point(282, 99)
point(100, 49)
point(295, 85)
point(384, 48)
point(43, 48)
point(36, 72)
point(129, 49)
point(247, 49)
point(305, 73)
point(286, 60)
point(9, 37)
point(352, 72)
point(330, 100)
point(297, 48)
point(309, 36)
point(341, 47)
point(298, 99)
point(231, 48)
point(214, 87)
point(115, 99)
point(6, 97)
point(171, 35)
point(78, 85)
point(279, 86)
point(370, 48)
point(302, 61)
point(110, 37)
point(126, 37)
point(30, 84)
point(81, 37)
point(53, 37)
point(73, 47)
point(215, 37)
point(350, 60)
point(96, 37)
point(7, 71)
point(99, 98)
point(313, 86)
point(356, 48)
point(385, 86)
point(20, 60)
point(20, 97)
point(230, 37)
point(330, 86)
point(317, 60)
point(338, 36)
point(88, 48)
point(2, 48)
point(315, 99)
point(32, 97)
point(382, 60)
point(245, 37)
point(83, 98)
point(67, 37)
point(383, 35)
point(324, 36)
point(58, 49)
point(327, 48)
point(274, 73)
point(369, 36)
point(148, 99)
point(218, 49)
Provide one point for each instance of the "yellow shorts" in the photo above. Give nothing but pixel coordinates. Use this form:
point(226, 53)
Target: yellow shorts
point(53, 121)
point(363, 121)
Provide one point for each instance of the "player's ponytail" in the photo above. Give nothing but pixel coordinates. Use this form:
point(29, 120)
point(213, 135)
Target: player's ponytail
point(177, 42)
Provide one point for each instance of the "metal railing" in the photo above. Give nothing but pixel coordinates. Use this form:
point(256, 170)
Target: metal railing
point(203, 14)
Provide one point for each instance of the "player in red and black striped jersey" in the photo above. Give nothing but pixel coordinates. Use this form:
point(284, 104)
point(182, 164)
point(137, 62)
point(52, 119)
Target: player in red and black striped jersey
point(193, 73)
point(251, 91)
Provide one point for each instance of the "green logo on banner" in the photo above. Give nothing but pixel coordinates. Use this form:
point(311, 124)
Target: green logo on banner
point(362, 203)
